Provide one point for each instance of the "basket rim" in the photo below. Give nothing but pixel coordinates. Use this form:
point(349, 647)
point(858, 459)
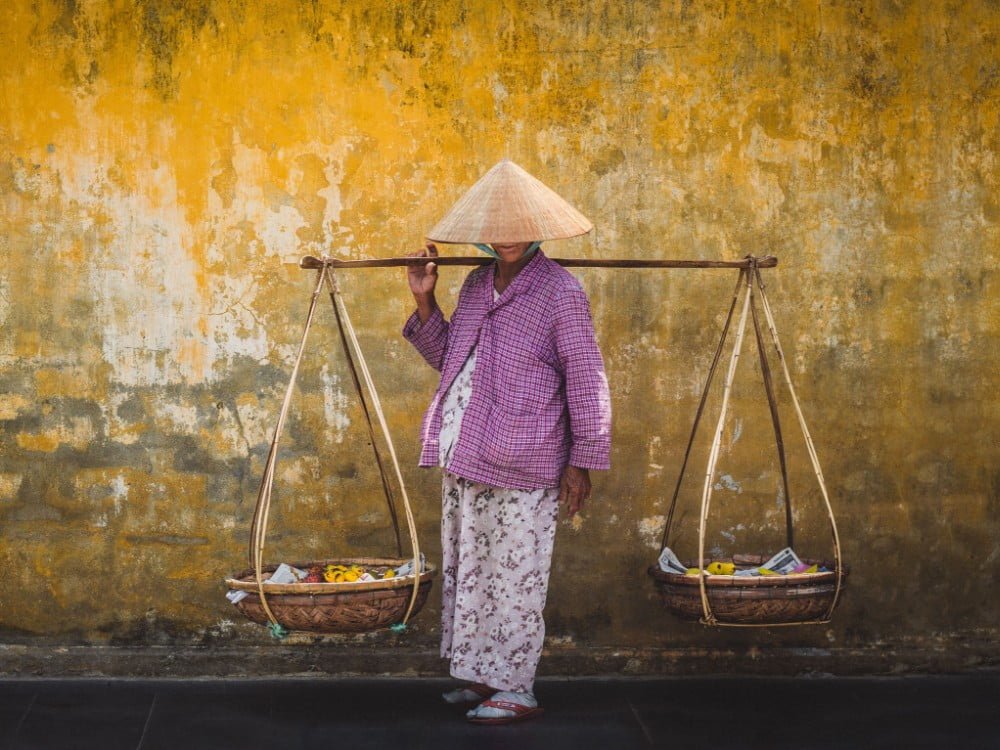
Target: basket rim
point(246, 580)
point(732, 581)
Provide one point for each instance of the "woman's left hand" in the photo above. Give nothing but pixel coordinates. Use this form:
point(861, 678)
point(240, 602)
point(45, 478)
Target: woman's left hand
point(574, 488)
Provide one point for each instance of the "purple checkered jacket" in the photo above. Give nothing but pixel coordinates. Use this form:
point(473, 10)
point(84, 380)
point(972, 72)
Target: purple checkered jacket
point(539, 393)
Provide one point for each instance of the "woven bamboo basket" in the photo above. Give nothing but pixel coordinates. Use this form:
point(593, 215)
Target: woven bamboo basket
point(356, 607)
point(751, 600)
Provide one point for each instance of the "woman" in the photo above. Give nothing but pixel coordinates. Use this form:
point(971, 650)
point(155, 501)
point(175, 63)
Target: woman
point(521, 415)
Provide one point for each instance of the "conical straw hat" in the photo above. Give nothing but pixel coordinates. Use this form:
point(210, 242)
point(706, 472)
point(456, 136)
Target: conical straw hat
point(509, 205)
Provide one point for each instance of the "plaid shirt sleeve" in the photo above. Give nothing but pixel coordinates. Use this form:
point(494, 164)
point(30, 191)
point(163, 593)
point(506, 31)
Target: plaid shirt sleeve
point(430, 338)
point(587, 394)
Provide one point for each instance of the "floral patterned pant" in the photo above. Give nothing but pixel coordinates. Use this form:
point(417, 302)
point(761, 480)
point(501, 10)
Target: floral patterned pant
point(496, 555)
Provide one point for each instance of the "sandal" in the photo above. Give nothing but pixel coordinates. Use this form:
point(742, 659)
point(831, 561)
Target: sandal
point(521, 712)
point(481, 692)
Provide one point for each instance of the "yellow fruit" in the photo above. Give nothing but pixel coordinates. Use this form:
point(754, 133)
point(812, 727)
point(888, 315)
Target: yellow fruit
point(351, 576)
point(329, 575)
point(766, 572)
point(721, 569)
point(692, 572)
point(390, 573)
point(811, 569)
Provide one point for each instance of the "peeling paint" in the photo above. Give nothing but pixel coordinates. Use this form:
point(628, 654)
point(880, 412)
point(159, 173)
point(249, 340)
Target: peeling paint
point(651, 530)
point(74, 432)
point(11, 405)
point(9, 485)
point(726, 482)
point(335, 404)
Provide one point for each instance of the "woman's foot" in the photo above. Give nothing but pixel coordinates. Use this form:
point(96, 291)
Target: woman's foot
point(505, 707)
point(473, 693)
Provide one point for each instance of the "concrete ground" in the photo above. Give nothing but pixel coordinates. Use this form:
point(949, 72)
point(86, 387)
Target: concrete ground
point(396, 714)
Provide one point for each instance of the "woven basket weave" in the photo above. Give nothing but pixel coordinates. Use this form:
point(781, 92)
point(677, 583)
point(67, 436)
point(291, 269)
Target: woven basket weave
point(750, 600)
point(356, 607)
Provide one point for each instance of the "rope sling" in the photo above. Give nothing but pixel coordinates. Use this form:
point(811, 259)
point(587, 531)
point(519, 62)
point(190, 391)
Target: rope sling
point(360, 373)
point(671, 587)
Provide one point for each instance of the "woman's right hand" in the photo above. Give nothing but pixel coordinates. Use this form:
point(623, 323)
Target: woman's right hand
point(423, 278)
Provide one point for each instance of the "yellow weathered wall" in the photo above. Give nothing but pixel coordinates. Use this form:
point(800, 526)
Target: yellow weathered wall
point(164, 164)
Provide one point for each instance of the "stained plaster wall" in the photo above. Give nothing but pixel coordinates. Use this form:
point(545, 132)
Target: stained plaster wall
point(165, 163)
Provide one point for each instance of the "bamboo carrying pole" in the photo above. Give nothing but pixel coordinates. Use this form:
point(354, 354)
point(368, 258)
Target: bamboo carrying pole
point(312, 262)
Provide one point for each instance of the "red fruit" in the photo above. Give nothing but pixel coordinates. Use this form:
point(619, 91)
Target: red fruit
point(313, 578)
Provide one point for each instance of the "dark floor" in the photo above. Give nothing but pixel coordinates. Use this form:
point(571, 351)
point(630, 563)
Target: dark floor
point(718, 713)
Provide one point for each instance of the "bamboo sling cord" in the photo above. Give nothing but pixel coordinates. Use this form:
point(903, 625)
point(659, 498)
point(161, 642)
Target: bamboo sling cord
point(383, 476)
point(701, 408)
point(772, 403)
point(809, 444)
point(753, 274)
point(387, 490)
point(713, 456)
point(258, 529)
point(262, 511)
point(331, 282)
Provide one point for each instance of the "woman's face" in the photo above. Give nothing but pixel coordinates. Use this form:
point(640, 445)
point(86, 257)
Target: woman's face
point(511, 253)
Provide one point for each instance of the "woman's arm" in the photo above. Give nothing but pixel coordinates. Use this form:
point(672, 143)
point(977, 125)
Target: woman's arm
point(587, 395)
point(426, 328)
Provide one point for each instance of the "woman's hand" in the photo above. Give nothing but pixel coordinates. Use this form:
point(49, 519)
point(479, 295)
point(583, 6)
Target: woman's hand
point(423, 279)
point(574, 488)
